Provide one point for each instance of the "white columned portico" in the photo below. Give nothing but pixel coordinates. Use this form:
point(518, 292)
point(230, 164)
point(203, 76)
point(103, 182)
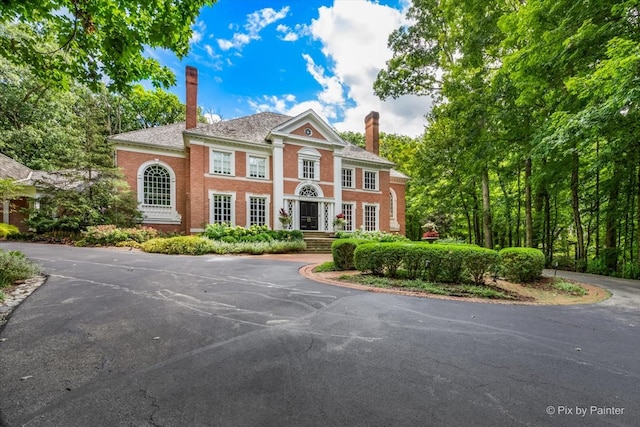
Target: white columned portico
point(337, 181)
point(278, 181)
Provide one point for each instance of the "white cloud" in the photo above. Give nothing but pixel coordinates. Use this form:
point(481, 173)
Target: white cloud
point(198, 31)
point(256, 22)
point(354, 36)
point(291, 35)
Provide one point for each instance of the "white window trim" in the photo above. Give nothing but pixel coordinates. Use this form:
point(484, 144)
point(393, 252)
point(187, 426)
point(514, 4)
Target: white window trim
point(233, 204)
point(353, 178)
point(353, 214)
point(266, 166)
point(158, 215)
point(364, 215)
point(267, 216)
point(232, 161)
point(393, 220)
point(377, 174)
point(312, 155)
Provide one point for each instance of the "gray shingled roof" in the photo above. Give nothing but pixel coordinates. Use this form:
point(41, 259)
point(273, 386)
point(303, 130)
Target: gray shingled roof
point(356, 153)
point(252, 128)
point(10, 169)
point(168, 136)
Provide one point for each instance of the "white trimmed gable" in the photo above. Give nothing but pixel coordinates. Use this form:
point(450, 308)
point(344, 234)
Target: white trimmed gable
point(308, 127)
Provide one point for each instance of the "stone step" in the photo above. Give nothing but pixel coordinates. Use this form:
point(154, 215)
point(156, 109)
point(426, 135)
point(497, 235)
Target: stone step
point(319, 244)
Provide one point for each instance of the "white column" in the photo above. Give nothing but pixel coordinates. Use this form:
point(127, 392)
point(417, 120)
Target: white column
point(337, 181)
point(278, 182)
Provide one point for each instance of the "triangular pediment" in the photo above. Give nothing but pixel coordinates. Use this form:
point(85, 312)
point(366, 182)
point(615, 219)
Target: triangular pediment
point(309, 126)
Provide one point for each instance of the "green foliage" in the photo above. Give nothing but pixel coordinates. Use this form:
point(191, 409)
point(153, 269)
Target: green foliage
point(7, 230)
point(96, 40)
point(105, 235)
point(375, 236)
point(325, 266)
point(522, 264)
point(15, 266)
point(255, 233)
point(181, 245)
point(569, 288)
point(342, 251)
point(430, 287)
point(446, 263)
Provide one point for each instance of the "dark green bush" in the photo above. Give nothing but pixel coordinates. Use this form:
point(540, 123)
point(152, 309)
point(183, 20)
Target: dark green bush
point(342, 251)
point(522, 264)
point(15, 266)
point(181, 245)
point(446, 263)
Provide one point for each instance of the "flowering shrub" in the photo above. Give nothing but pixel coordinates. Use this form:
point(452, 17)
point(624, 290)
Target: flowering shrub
point(339, 221)
point(255, 233)
point(284, 217)
point(111, 235)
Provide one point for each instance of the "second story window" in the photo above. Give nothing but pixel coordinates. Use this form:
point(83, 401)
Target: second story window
point(370, 180)
point(221, 163)
point(347, 178)
point(308, 169)
point(257, 167)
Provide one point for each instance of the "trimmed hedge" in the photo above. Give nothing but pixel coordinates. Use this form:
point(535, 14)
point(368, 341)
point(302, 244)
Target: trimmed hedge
point(342, 251)
point(447, 263)
point(522, 264)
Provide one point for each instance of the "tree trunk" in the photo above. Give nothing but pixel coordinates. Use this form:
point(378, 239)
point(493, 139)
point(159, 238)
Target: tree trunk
point(486, 210)
point(527, 205)
point(638, 213)
point(575, 202)
point(519, 210)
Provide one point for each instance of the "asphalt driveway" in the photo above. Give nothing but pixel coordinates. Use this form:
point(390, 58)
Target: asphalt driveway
point(119, 338)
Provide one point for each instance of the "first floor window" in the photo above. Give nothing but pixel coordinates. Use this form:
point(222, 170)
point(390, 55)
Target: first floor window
point(221, 209)
point(392, 207)
point(347, 211)
point(156, 183)
point(370, 180)
point(221, 162)
point(370, 217)
point(257, 211)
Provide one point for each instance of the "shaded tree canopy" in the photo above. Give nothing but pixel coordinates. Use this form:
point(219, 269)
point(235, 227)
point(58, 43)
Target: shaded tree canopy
point(92, 40)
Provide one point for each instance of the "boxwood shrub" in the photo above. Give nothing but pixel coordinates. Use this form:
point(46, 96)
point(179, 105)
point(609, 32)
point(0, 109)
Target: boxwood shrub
point(447, 263)
point(522, 264)
point(342, 251)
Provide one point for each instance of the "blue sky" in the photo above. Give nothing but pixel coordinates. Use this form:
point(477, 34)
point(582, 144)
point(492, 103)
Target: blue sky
point(290, 56)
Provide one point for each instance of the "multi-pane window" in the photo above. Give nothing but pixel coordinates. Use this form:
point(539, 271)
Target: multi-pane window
point(370, 217)
point(257, 167)
point(221, 162)
point(221, 209)
point(308, 169)
point(257, 211)
point(157, 186)
point(370, 180)
point(347, 178)
point(347, 211)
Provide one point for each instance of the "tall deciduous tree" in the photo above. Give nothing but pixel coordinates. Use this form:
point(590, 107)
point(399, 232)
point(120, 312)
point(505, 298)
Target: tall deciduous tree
point(88, 40)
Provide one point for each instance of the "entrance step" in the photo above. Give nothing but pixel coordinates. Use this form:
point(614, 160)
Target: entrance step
point(318, 241)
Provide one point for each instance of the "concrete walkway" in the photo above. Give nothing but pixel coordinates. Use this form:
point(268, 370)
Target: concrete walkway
point(625, 292)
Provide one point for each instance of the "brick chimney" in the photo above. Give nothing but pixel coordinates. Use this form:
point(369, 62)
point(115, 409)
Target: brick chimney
point(371, 125)
point(192, 97)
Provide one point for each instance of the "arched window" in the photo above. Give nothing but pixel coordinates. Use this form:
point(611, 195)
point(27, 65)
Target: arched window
point(157, 193)
point(308, 191)
point(157, 186)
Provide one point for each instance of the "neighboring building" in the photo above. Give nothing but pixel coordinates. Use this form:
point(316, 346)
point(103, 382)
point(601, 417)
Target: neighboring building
point(244, 171)
point(14, 211)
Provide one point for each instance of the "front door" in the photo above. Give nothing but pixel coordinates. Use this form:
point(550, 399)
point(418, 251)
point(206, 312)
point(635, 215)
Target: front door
point(308, 215)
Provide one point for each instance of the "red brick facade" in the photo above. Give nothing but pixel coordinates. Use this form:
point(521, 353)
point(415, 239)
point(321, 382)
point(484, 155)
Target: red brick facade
point(304, 185)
